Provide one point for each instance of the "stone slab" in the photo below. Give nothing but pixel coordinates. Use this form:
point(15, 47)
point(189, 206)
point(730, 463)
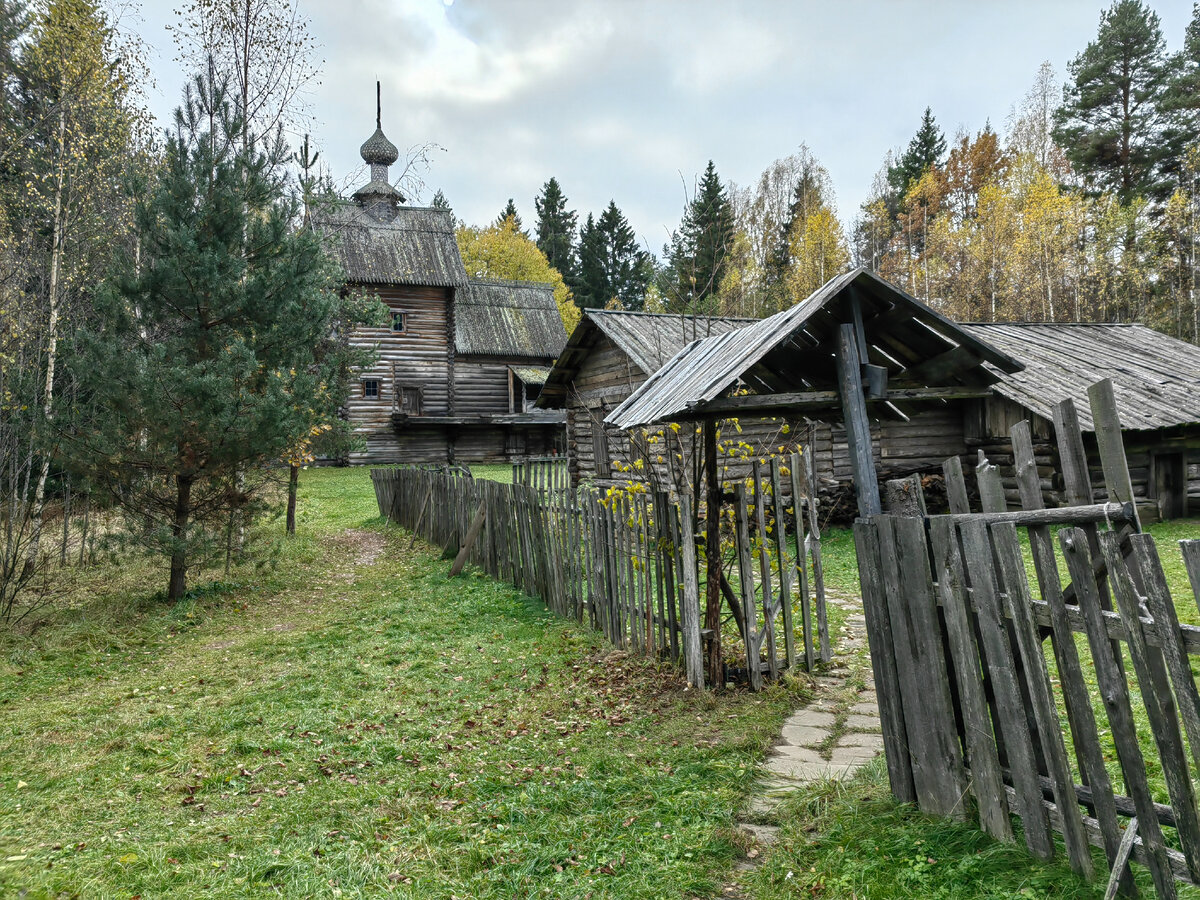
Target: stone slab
point(859, 722)
point(804, 735)
point(764, 834)
point(869, 741)
point(851, 756)
point(812, 717)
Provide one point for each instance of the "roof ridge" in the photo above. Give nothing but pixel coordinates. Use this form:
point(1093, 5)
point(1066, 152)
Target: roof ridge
point(512, 282)
point(642, 312)
point(1063, 324)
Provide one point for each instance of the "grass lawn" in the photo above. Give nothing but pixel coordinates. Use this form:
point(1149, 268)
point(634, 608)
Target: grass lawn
point(351, 723)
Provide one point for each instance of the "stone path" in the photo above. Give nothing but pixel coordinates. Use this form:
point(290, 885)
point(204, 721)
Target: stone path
point(831, 737)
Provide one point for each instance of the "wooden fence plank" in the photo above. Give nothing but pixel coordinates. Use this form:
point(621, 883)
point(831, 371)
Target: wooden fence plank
point(1162, 609)
point(987, 782)
point(1115, 694)
point(801, 556)
point(1080, 716)
point(1110, 442)
point(1191, 560)
point(1010, 709)
point(690, 613)
point(770, 606)
point(956, 486)
point(754, 635)
point(787, 570)
point(813, 542)
point(1012, 569)
point(1157, 701)
point(938, 775)
point(883, 661)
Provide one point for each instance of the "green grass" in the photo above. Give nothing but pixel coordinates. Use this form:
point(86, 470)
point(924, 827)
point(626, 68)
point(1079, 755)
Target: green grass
point(350, 723)
point(501, 472)
point(852, 840)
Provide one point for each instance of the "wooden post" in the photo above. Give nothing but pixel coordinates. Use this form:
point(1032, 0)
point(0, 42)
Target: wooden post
point(1112, 448)
point(690, 613)
point(858, 427)
point(712, 552)
point(472, 534)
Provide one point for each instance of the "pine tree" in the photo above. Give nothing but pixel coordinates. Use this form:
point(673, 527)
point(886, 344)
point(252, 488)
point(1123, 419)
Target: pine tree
point(925, 151)
point(611, 265)
point(1181, 101)
point(699, 249)
point(1110, 124)
point(439, 200)
point(510, 212)
point(556, 229)
point(206, 348)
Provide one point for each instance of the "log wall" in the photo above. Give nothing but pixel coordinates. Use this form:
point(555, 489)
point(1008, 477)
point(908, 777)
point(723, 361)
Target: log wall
point(419, 356)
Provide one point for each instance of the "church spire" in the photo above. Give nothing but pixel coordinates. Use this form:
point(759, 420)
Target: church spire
point(378, 196)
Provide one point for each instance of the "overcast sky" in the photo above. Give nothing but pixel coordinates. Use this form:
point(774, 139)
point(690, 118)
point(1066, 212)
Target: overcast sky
point(629, 100)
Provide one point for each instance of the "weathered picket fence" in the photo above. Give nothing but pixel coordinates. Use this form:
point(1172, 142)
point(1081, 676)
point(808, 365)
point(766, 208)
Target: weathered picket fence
point(626, 561)
point(546, 473)
point(973, 704)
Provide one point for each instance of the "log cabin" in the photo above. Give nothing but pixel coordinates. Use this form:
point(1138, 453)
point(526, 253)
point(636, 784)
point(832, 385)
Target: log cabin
point(1156, 378)
point(611, 353)
point(459, 361)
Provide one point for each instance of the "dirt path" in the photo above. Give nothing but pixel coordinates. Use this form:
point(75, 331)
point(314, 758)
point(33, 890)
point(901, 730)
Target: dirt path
point(831, 737)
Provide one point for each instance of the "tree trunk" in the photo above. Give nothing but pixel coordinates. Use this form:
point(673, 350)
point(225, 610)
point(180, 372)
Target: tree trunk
point(179, 530)
point(712, 533)
point(293, 486)
point(39, 500)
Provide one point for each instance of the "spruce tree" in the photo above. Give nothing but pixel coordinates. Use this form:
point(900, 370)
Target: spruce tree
point(611, 265)
point(699, 250)
point(510, 212)
point(1110, 124)
point(207, 349)
point(439, 200)
point(925, 151)
point(556, 228)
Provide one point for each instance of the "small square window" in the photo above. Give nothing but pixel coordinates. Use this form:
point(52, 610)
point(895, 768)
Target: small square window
point(399, 321)
point(370, 388)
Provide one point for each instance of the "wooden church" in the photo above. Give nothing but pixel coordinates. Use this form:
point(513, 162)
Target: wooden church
point(460, 360)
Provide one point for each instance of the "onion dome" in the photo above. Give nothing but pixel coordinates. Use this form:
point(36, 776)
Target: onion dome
point(378, 150)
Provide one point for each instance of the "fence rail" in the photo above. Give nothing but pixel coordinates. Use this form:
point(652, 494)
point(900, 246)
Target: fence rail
point(626, 561)
point(972, 702)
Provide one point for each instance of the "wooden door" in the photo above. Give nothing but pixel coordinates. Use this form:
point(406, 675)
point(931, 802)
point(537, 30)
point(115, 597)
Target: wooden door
point(1170, 485)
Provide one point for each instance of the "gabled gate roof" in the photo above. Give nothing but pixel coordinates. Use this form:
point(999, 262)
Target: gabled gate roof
point(793, 351)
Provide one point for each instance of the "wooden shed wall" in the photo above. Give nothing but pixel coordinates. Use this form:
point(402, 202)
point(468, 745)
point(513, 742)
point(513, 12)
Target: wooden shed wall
point(481, 384)
point(480, 387)
point(606, 377)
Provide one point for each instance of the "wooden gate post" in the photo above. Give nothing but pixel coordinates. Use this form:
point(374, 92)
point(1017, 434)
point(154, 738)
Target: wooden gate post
point(858, 426)
point(690, 614)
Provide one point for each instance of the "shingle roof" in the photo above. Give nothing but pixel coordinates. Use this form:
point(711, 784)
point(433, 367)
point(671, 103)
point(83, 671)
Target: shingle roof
point(1156, 378)
point(793, 348)
point(417, 247)
point(508, 318)
point(649, 339)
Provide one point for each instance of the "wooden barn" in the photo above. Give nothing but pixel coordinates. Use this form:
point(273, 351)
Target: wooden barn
point(1157, 385)
point(611, 353)
point(984, 378)
point(459, 361)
